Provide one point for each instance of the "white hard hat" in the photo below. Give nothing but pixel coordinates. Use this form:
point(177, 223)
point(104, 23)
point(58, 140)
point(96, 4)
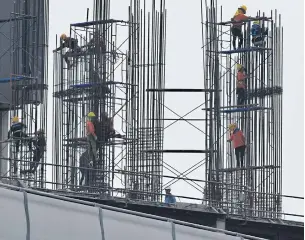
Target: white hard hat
point(168, 188)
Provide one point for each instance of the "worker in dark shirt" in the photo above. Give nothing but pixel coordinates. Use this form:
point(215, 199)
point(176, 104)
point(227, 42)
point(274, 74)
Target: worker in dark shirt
point(17, 132)
point(70, 43)
point(39, 143)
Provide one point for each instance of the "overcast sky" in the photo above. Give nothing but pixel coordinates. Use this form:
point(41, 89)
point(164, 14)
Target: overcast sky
point(184, 69)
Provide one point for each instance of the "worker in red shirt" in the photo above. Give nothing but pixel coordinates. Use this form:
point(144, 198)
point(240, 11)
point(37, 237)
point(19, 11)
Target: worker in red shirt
point(91, 136)
point(236, 28)
point(241, 84)
point(239, 143)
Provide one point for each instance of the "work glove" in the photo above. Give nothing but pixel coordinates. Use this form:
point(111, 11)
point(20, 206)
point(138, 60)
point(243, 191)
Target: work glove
point(95, 138)
point(91, 163)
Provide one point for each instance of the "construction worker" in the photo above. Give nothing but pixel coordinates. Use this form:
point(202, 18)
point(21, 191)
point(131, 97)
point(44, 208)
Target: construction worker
point(91, 136)
point(70, 43)
point(239, 143)
point(169, 197)
point(107, 130)
point(17, 131)
point(39, 149)
point(240, 84)
point(237, 24)
point(258, 34)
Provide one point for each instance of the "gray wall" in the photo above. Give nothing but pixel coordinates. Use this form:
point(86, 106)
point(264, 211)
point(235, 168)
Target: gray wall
point(51, 219)
point(23, 51)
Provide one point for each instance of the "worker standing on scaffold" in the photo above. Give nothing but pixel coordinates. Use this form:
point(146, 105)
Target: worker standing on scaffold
point(91, 137)
point(70, 43)
point(239, 144)
point(17, 131)
point(240, 84)
point(236, 28)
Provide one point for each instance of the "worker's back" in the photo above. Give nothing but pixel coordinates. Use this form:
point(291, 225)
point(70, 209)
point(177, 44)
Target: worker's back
point(238, 138)
point(238, 20)
point(241, 76)
point(16, 128)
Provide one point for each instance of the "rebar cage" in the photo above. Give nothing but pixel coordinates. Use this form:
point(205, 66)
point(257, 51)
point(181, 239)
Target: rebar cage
point(27, 85)
point(255, 188)
point(108, 73)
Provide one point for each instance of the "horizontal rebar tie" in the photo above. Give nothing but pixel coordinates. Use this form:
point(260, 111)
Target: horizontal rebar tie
point(251, 49)
point(248, 168)
point(179, 151)
point(180, 90)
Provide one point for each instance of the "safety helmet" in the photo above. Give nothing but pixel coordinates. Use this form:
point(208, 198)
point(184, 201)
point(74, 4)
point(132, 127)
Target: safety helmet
point(15, 119)
point(63, 36)
point(243, 7)
point(239, 67)
point(91, 114)
point(256, 22)
point(232, 126)
point(167, 188)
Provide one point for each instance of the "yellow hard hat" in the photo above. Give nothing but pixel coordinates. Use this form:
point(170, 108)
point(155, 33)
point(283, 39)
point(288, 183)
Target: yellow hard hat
point(232, 126)
point(239, 66)
point(91, 114)
point(243, 7)
point(256, 22)
point(63, 36)
point(15, 119)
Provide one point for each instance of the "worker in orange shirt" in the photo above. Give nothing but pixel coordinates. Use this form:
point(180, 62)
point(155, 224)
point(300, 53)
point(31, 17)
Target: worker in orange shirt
point(241, 84)
point(239, 143)
point(91, 136)
point(236, 28)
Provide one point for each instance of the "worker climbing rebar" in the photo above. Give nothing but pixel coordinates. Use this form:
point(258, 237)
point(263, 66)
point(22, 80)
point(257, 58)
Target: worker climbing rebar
point(237, 24)
point(239, 143)
point(39, 143)
point(70, 43)
point(258, 34)
point(240, 84)
point(91, 137)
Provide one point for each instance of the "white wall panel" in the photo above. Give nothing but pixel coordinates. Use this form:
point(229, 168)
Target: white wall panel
point(125, 226)
point(12, 215)
point(56, 219)
point(184, 232)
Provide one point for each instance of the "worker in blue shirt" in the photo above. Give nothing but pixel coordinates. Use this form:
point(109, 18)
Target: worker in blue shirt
point(258, 34)
point(169, 198)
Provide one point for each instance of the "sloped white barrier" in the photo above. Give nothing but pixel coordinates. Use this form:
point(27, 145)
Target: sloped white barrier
point(12, 215)
point(29, 216)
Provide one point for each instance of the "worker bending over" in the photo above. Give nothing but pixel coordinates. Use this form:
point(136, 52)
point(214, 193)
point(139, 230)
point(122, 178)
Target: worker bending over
point(258, 34)
point(91, 136)
point(239, 143)
point(70, 43)
point(17, 131)
point(39, 143)
point(236, 28)
point(241, 85)
point(169, 197)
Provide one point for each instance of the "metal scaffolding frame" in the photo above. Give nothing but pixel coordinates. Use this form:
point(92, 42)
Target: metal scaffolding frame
point(28, 36)
point(254, 189)
point(92, 84)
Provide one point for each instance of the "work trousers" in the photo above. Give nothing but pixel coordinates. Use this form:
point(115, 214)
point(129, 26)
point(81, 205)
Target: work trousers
point(240, 154)
point(92, 147)
point(237, 33)
point(241, 96)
